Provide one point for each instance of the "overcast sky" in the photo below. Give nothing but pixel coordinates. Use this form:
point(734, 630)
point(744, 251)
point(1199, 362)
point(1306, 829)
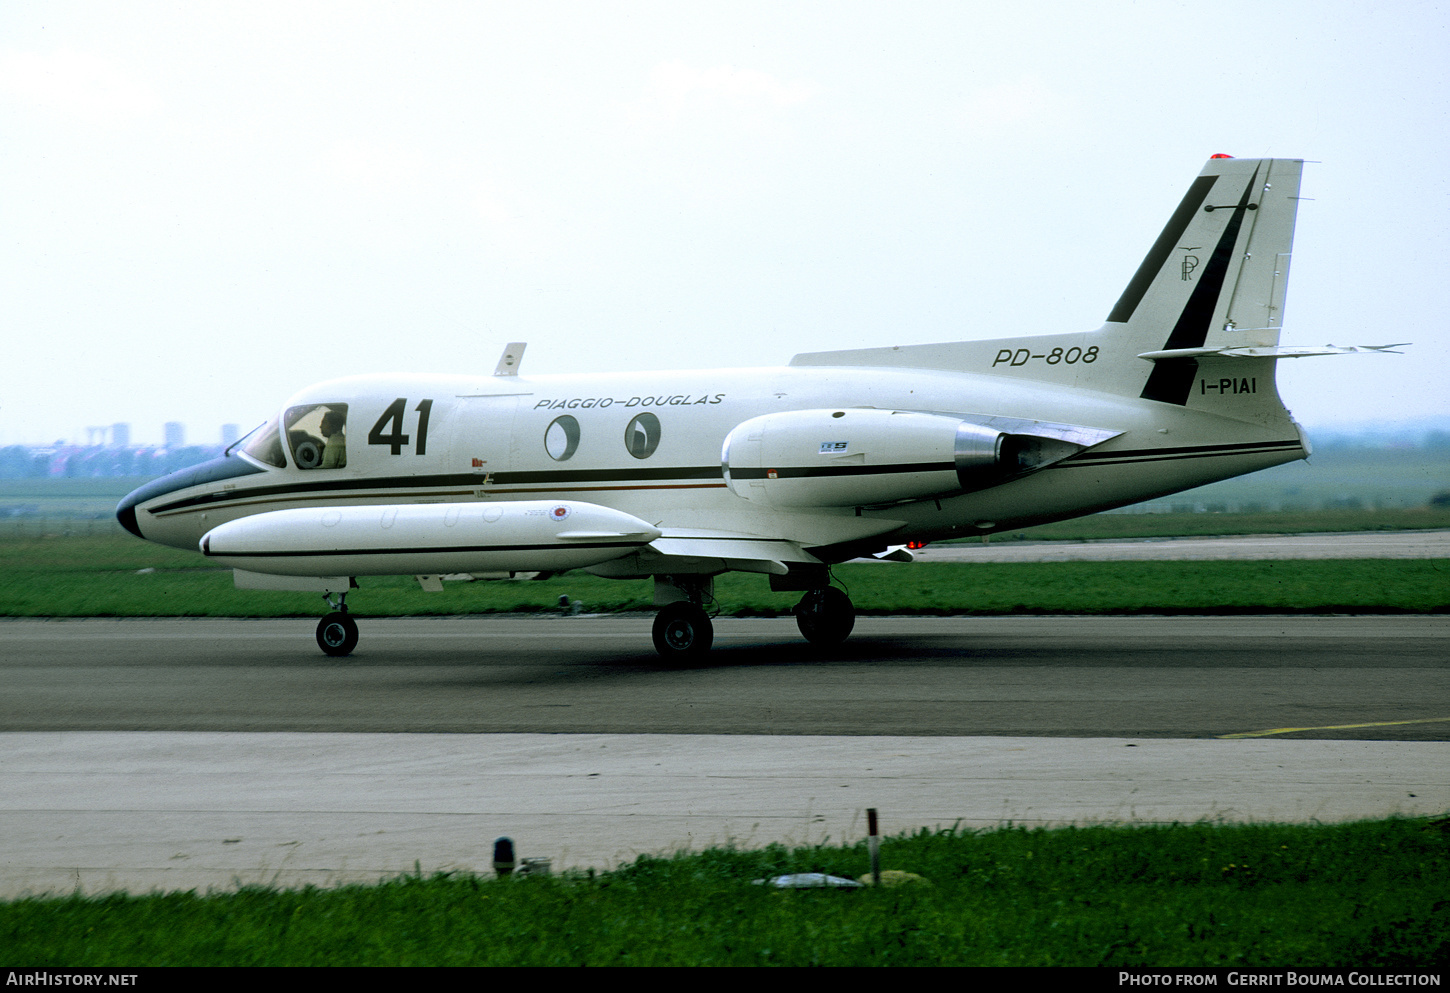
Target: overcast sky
point(206, 206)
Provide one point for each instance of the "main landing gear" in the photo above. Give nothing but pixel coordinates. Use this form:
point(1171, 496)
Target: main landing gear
point(683, 632)
point(337, 632)
point(825, 616)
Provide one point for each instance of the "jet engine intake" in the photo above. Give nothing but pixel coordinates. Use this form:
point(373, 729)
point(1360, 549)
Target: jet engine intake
point(855, 457)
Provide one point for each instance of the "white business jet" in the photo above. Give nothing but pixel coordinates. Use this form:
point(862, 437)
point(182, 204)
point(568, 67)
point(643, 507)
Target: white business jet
point(785, 471)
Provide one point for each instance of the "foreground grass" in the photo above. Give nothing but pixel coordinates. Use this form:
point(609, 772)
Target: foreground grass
point(122, 577)
point(1365, 894)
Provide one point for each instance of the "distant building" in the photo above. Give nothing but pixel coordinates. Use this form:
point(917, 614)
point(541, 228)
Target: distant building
point(121, 435)
point(230, 434)
point(175, 434)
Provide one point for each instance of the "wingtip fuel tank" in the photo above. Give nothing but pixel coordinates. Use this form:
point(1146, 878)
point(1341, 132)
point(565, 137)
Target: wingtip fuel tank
point(397, 539)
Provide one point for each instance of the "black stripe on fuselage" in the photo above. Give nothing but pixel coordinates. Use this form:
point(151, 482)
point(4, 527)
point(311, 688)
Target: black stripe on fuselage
point(467, 480)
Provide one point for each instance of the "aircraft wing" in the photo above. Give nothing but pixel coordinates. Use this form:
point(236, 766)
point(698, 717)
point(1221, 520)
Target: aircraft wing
point(687, 550)
point(740, 552)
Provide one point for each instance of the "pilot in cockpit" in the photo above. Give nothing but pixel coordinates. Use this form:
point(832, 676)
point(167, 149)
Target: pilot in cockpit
point(333, 429)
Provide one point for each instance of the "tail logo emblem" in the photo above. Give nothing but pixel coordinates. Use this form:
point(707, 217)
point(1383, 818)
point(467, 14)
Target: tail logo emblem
point(1190, 262)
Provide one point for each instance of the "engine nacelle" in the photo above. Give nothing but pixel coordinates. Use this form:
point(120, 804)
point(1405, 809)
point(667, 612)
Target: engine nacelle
point(854, 457)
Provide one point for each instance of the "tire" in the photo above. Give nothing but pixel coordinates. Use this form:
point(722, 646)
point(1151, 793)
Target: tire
point(825, 617)
point(683, 632)
point(337, 634)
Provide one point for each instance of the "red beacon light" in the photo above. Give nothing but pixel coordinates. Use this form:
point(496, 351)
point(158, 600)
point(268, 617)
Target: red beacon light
point(1220, 155)
point(915, 545)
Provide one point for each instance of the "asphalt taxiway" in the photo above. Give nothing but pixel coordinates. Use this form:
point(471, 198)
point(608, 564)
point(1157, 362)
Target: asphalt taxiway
point(181, 754)
point(1188, 677)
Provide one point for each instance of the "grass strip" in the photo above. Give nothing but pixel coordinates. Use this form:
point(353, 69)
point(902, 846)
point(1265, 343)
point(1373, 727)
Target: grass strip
point(1367, 894)
point(107, 577)
point(1177, 525)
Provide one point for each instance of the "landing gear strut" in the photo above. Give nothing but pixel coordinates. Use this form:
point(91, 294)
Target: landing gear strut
point(337, 632)
point(825, 616)
point(682, 630)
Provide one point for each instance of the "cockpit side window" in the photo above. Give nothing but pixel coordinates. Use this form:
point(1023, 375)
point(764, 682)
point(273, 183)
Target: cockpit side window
point(264, 444)
point(317, 435)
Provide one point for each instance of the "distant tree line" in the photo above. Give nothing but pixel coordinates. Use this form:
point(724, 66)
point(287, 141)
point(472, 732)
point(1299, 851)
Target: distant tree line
point(77, 461)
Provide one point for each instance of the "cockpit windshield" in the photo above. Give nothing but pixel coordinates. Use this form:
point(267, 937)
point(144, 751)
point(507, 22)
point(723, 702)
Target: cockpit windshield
point(263, 444)
point(317, 435)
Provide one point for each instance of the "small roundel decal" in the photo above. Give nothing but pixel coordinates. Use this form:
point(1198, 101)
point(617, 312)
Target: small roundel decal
point(559, 512)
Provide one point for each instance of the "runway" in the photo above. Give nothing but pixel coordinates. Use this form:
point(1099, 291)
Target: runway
point(1182, 677)
point(180, 754)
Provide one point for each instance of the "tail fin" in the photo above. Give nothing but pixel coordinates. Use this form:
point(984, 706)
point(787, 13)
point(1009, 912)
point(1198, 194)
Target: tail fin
point(1216, 276)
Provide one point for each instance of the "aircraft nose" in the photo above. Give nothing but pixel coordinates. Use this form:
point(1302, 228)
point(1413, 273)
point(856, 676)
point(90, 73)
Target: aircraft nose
point(126, 514)
point(206, 472)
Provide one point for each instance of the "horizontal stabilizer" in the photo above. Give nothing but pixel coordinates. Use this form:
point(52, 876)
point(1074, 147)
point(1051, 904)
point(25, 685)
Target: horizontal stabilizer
point(1269, 351)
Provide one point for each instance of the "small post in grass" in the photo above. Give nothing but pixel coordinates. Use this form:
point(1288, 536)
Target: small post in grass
point(874, 843)
point(504, 860)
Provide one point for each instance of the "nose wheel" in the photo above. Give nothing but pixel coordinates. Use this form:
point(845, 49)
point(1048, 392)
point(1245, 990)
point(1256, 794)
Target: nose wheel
point(337, 634)
point(825, 616)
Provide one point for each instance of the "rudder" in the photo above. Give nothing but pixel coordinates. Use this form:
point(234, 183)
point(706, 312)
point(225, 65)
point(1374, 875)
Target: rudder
point(1217, 275)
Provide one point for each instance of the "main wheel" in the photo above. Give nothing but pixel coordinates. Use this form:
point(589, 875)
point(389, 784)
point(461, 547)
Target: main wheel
point(337, 634)
point(682, 631)
point(825, 616)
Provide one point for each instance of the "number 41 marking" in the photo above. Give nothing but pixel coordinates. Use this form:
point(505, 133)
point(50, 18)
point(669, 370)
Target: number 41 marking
point(395, 438)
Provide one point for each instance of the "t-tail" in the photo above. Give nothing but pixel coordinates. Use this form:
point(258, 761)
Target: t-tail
point(1199, 321)
point(1214, 280)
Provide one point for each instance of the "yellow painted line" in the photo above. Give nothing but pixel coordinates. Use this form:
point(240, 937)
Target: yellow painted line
point(1333, 727)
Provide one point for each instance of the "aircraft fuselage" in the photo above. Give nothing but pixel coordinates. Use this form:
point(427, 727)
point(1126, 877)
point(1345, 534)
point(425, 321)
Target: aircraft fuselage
point(489, 438)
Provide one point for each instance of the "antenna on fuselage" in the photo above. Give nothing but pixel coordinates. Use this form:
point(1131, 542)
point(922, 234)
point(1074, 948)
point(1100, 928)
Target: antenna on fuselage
point(508, 362)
